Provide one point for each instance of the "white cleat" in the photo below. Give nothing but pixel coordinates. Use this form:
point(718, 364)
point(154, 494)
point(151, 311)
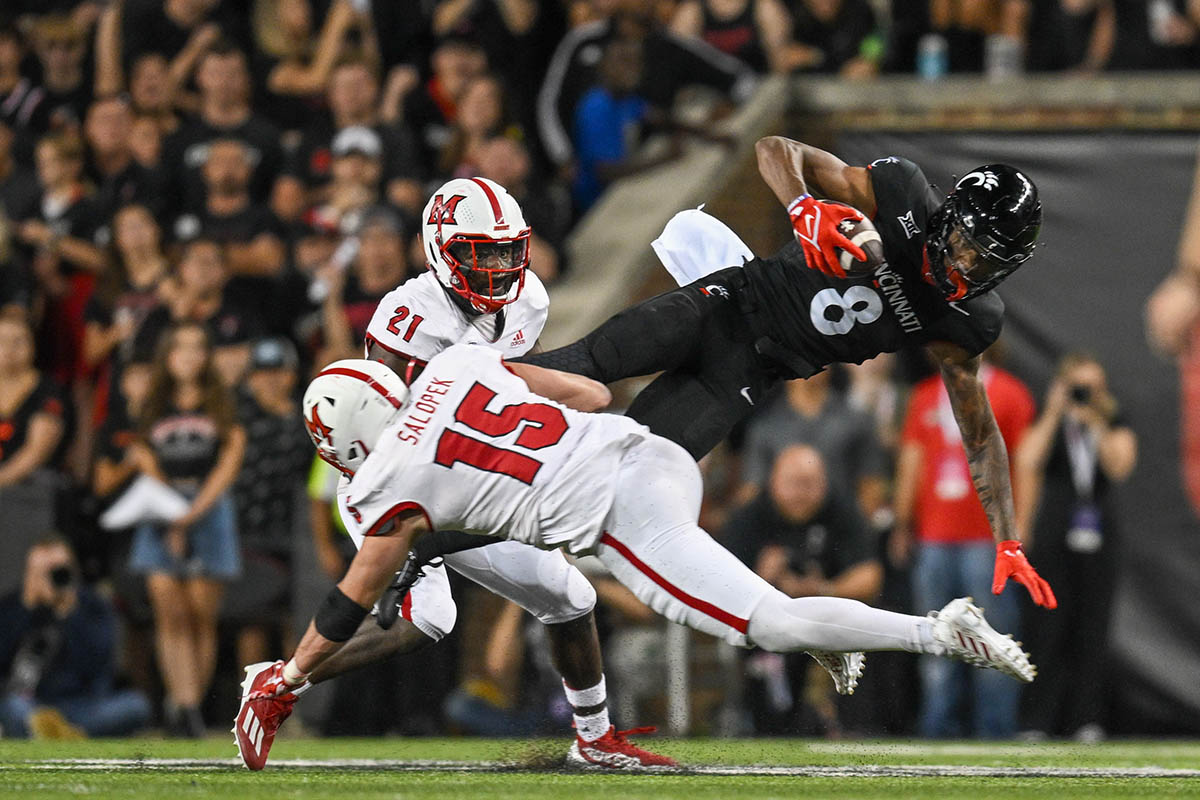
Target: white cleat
point(961, 632)
point(844, 668)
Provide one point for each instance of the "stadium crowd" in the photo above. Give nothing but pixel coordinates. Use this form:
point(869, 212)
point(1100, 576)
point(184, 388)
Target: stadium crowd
point(201, 200)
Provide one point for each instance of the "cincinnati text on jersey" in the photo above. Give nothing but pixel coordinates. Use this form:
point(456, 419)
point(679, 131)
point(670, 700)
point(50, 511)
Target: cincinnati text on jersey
point(892, 286)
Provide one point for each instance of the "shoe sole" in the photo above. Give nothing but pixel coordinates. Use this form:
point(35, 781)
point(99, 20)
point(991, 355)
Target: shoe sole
point(576, 760)
point(844, 668)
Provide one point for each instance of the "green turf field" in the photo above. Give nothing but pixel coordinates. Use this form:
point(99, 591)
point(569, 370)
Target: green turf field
point(357, 769)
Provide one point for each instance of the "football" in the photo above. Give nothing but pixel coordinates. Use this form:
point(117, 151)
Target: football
point(862, 232)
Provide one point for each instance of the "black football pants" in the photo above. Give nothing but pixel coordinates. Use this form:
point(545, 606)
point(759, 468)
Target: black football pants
point(701, 338)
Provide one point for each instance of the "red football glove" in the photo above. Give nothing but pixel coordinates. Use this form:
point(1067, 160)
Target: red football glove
point(1011, 562)
point(816, 226)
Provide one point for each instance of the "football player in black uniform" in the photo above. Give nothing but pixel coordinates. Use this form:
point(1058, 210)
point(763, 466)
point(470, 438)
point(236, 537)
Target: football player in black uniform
point(724, 340)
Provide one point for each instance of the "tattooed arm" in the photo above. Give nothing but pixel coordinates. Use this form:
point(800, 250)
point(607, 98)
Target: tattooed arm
point(987, 457)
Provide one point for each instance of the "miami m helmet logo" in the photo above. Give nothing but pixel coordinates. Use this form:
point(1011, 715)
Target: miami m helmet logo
point(442, 211)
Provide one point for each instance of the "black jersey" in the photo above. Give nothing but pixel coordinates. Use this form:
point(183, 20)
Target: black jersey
point(820, 319)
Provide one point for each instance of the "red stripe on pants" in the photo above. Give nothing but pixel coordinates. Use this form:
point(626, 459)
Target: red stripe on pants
point(737, 623)
point(406, 606)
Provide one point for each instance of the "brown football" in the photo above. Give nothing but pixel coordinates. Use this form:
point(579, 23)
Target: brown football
point(862, 232)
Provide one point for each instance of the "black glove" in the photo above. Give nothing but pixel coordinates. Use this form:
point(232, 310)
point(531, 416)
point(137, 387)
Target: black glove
point(388, 609)
point(427, 551)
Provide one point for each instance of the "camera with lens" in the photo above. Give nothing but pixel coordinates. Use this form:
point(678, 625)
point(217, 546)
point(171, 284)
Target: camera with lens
point(1081, 394)
point(62, 577)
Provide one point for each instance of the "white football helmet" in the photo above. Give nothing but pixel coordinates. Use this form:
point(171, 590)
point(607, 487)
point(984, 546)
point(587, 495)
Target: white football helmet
point(346, 408)
point(476, 242)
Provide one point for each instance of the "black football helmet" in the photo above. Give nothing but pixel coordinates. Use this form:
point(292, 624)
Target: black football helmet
point(986, 228)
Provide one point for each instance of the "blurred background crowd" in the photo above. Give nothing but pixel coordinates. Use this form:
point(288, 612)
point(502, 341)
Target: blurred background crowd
point(200, 200)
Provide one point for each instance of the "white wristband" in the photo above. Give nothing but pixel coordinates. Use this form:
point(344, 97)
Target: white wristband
point(292, 675)
point(792, 205)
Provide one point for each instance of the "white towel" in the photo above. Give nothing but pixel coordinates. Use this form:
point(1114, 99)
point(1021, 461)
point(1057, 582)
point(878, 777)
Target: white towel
point(146, 500)
point(695, 244)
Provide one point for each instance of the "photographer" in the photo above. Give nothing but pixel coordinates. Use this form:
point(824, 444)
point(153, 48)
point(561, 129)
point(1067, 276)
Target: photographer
point(1065, 468)
point(56, 655)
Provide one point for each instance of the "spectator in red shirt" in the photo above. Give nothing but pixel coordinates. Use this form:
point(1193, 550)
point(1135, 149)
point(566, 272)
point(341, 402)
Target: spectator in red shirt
point(937, 510)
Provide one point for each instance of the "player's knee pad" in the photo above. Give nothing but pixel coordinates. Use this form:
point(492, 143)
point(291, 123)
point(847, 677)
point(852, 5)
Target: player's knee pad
point(573, 596)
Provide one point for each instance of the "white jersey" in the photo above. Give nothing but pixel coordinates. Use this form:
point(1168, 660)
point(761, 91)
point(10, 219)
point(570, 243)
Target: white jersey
point(476, 451)
point(418, 320)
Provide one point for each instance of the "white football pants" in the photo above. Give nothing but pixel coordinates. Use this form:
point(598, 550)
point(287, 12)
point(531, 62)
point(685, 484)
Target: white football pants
point(653, 545)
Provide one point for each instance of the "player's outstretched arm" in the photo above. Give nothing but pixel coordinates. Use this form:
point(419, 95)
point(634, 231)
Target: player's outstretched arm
point(573, 391)
point(348, 603)
point(793, 169)
point(987, 458)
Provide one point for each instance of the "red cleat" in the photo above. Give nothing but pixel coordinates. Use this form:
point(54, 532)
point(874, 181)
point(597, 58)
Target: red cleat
point(266, 702)
point(614, 751)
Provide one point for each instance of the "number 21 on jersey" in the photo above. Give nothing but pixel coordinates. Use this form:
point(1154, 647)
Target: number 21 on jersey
point(399, 316)
point(546, 428)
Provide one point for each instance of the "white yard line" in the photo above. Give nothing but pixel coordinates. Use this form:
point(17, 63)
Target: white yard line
point(393, 765)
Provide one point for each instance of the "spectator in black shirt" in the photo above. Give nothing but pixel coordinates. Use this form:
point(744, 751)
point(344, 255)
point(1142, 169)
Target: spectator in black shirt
point(840, 36)
point(483, 112)
point(179, 29)
point(518, 37)
point(252, 237)
point(671, 63)
point(225, 113)
point(32, 426)
point(547, 207)
point(20, 97)
point(33, 434)
point(18, 193)
point(60, 46)
point(190, 440)
point(294, 62)
point(118, 177)
point(151, 92)
point(125, 297)
point(1075, 35)
point(116, 462)
point(355, 185)
point(57, 653)
point(1068, 464)
point(756, 32)
point(59, 233)
point(807, 541)
point(353, 98)
point(379, 266)
point(431, 108)
point(275, 467)
point(197, 294)
point(250, 233)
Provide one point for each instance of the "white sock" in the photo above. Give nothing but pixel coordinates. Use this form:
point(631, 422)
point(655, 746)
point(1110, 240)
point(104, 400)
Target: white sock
point(782, 624)
point(592, 726)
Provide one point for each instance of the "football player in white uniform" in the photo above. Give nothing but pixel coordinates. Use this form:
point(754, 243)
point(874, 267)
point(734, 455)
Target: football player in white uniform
point(477, 291)
point(471, 447)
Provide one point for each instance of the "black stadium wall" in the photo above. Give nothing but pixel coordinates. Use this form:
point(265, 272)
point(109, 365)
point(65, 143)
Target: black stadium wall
point(1114, 203)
